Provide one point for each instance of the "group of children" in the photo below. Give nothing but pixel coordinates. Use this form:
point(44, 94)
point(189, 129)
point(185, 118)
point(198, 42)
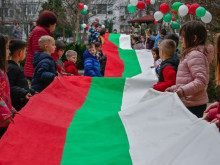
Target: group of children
point(189, 78)
point(45, 70)
point(15, 90)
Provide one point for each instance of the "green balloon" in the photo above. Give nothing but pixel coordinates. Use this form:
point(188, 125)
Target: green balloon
point(167, 17)
point(81, 26)
point(175, 25)
point(83, 11)
point(200, 12)
point(131, 8)
point(176, 16)
point(176, 6)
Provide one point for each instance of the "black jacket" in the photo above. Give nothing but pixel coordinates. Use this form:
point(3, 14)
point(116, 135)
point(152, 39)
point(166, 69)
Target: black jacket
point(18, 85)
point(168, 62)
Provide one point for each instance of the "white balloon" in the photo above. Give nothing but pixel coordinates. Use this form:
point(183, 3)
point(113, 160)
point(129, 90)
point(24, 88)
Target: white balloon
point(207, 18)
point(153, 2)
point(134, 2)
point(103, 26)
point(84, 25)
point(183, 10)
point(158, 15)
point(86, 7)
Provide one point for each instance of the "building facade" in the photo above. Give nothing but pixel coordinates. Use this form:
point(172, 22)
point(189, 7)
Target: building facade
point(114, 11)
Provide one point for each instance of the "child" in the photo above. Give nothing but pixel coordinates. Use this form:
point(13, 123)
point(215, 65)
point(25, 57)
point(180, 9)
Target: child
point(115, 31)
point(69, 65)
point(193, 71)
point(91, 31)
point(101, 58)
point(137, 45)
point(7, 112)
point(168, 68)
point(213, 111)
point(60, 50)
point(96, 34)
point(160, 36)
point(19, 88)
point(44, 66)
point(102, 36)
point(149, 43)
point(157, 59)
point(142, 39)
point(175, 38)
point(91, 62)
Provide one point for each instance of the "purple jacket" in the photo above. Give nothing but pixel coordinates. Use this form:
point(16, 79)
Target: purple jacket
point(149, 44)
point(193, 76)
point(138, 46)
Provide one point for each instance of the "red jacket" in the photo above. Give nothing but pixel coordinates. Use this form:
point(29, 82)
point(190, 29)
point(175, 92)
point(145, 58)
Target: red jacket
point(33, 46)
point(6, 109)
point(214, 112)
point(169, 75)
point(70, 68)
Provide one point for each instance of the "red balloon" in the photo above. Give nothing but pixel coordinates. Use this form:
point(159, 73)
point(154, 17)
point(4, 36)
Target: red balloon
point(173, 18)
point(81, 5)
point(141, 5)
point(174, 12)
point(87, 27)
point(148, 1)
point(164, 8)
point(155, 22)
point(193, 7)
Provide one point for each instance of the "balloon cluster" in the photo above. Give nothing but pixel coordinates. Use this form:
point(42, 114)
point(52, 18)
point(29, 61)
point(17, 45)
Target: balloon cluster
point(135, 4)
point(180, 9)
point(83, 8)
point(84, 26)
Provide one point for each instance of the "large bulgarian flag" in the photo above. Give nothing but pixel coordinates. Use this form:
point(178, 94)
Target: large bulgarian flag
point(114, 120)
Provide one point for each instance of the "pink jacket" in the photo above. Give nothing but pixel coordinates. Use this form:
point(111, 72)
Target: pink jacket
point(193, 76)
point(6, 109)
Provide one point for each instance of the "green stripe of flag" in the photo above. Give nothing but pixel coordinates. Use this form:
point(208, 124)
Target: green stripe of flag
point(96, 134)
point(131, 63)
point(129, 56)
point(114, 38)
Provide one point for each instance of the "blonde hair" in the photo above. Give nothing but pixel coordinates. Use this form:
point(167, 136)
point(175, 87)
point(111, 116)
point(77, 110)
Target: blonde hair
point(71, 53)
point(217, 56)
point(168, 46)
point(45, 40)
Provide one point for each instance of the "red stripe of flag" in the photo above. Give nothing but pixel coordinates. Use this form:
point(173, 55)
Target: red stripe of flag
point(114, 65)
point(39, 133)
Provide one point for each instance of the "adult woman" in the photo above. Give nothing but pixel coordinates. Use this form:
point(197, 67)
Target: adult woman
point(46, 23)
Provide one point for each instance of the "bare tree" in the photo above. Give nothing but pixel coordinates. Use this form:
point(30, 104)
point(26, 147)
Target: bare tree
point(26, 12)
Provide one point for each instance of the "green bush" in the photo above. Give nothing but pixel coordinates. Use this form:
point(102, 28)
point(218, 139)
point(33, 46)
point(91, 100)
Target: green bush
point(80, 49)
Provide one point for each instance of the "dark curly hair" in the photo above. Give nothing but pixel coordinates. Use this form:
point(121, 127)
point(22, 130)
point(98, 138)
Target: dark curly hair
point(47, 18)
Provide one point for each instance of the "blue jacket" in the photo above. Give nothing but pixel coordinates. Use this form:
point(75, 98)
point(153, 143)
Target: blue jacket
point(156, 39)
point(44, 71)
point(91, 65)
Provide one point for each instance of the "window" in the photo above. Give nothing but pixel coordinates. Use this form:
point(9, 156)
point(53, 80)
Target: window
point(6, 12)
point(93, 9)
point(110, 9)
point(32, 9)
point(102, 9)
point(11, 13)
point(123, 10)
